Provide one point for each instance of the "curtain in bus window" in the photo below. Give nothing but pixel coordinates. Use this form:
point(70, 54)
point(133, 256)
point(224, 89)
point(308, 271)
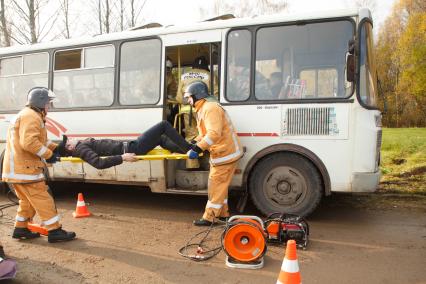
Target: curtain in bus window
point(90, 84)
point(302, 62)
point(140, 72)
point(15, 81)
point(238, 69)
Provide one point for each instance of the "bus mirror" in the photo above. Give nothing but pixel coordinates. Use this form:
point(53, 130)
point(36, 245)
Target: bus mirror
point(350, 68)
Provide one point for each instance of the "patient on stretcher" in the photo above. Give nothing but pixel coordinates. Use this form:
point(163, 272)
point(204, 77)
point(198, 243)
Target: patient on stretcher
point(115, 152)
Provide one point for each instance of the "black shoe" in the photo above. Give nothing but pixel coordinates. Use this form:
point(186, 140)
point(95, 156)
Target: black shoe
point(202, 222)
point(2, 255)
point(59, 235)
point(24, 234)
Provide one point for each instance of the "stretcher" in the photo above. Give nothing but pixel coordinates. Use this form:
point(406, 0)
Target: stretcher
point(156, 154)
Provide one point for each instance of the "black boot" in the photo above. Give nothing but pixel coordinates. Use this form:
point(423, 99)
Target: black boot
point(2, 255)
point(59, 235)
point(202, 222)
point(24, 234)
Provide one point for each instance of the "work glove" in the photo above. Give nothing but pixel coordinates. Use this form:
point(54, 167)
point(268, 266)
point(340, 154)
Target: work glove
point(60, 149)
point(53, 159)
point(192, 154)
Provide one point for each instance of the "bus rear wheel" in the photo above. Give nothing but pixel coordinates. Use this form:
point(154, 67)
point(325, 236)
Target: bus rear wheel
point(286, 183)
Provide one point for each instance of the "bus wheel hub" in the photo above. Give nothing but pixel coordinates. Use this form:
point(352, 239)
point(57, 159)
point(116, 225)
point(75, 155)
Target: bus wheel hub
point(283, 187)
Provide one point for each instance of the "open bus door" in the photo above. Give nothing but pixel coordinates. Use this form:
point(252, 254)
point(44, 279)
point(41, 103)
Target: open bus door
point(182, 52)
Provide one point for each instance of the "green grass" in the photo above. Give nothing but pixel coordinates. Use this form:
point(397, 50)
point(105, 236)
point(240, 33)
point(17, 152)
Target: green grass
point(403, 162)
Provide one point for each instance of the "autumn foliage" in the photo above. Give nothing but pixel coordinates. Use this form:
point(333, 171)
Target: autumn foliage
point(401, 65)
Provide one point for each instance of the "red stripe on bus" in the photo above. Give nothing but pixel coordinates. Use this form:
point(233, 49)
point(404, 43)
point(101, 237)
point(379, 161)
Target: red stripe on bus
point(247, 134)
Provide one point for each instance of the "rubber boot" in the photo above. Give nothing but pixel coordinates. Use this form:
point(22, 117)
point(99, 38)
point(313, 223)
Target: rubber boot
point(59, 235)
point(24, 234)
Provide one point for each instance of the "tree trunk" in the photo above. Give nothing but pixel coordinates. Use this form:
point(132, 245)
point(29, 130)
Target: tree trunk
point(4, 27)
point(32, 20)
point(100, 16)
point(107, 14)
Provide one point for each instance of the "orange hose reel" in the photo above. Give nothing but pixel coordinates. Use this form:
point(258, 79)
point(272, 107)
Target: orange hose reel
point(244, 240)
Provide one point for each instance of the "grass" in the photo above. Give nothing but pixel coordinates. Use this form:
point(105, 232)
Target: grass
point(403, 161)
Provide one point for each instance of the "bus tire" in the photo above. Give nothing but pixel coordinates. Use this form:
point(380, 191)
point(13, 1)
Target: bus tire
point(286, 183)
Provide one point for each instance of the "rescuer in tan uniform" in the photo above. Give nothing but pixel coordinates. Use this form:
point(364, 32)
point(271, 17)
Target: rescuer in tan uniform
point(217, 135)
point(27, 150)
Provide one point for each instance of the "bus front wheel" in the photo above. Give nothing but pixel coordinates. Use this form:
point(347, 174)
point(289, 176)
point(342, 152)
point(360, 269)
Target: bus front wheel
point(286, 183)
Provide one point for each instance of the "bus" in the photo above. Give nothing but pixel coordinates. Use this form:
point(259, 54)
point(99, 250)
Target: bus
point(300, 90)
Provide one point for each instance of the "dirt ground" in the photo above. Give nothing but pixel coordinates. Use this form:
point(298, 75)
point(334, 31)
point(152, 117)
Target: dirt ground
point(134, 235)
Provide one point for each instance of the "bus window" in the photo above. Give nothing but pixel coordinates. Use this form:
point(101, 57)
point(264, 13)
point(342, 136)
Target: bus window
point(238, 65)
point(84, 80)
point(367, 76)
point(302, 62)
point(140, 71)
point(320, 83)
point(20, 74)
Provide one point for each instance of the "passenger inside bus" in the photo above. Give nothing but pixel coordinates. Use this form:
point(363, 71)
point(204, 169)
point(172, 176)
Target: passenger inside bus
point(91, 150)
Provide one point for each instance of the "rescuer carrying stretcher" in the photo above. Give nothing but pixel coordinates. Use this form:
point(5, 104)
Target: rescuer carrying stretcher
point(216, 134)
point(27, 150)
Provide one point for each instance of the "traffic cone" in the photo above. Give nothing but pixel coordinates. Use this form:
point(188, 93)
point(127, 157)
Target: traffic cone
point(36, 228)
point(289, 273)
point(81, 209)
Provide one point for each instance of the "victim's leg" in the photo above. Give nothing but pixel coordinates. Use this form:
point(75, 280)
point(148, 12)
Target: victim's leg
point(153, 137)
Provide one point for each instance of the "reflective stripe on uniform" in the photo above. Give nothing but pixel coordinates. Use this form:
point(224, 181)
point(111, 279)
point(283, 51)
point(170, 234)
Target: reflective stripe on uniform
point(208, 140)
point(213, 205)
point(11, 173)
point(51, 220)
point(23, 176)
point(20, 218)
point(48, 143)
point(290, 266)
point(225, 201)
point(41, 152)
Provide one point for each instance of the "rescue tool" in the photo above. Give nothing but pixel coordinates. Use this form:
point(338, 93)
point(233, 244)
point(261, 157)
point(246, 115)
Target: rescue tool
point(244, 238)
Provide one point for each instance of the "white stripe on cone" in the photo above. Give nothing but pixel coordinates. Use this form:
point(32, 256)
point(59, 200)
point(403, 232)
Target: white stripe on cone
point(290, 266)
point(80, 203)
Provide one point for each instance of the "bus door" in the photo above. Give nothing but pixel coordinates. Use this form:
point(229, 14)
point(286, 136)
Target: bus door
point(181, 51)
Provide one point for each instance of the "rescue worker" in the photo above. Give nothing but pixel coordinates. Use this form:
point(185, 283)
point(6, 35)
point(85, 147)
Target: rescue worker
point(217, 135)
point(27, 150)
point(90, 150)
point(171, 87)
point(200, 72)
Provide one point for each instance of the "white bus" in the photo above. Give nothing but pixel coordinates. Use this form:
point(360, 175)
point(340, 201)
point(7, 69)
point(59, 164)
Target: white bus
point(300, 89)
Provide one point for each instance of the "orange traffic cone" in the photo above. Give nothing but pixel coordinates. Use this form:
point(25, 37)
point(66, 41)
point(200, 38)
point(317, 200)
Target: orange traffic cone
point(290, 268)
point(36, 228)
point(81, 209)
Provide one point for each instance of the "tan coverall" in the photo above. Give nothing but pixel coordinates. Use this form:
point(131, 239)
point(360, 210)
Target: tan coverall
point(187, 78)
point(217, 135)
point(26, 148)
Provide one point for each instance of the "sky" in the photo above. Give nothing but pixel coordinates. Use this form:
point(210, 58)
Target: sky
point(187, 11)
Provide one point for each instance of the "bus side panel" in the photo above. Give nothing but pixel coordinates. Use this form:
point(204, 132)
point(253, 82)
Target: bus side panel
point(333, 149)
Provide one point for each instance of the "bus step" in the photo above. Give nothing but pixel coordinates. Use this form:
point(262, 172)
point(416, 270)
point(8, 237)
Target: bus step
point(187, 191)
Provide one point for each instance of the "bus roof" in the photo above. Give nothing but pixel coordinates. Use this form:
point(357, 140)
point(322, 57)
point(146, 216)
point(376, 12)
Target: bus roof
point(200, 26)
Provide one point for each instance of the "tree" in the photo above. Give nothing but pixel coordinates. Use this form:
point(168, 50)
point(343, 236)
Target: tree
point(4, 25)
point(401, 53)
point(66, 21)
point(244, 8)
point(28, 25)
